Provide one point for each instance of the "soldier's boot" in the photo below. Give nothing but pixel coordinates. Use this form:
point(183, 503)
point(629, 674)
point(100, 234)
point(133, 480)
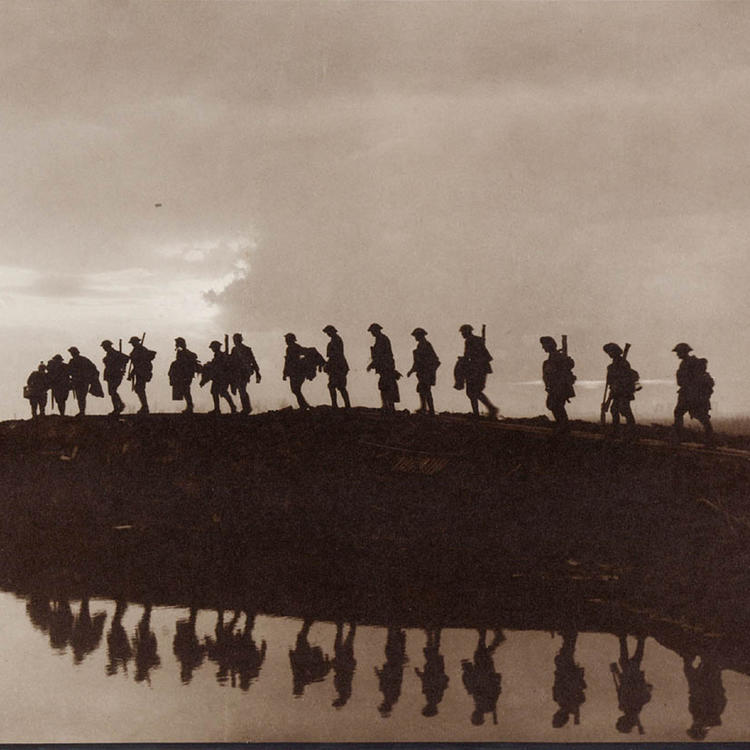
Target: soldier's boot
point(474, 407)
point(334, 400)
point(492, 410)
point(232, 407)
point(188, 404)
point(422, 408)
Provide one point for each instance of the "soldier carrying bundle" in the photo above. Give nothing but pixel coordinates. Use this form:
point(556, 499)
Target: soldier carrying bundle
point(181, 373)
point(557, 373)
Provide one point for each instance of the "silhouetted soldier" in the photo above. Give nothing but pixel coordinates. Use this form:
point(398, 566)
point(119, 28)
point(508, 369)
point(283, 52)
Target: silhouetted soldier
point(471, 371)
point(87, 631)
point(694, 394)
point(425, 365)
point(336, 366)
point(569, 686)
point(343, 663)
point(707, 699)
point(622, 381)
point(36, 390)
point(434, 679)
point(58, 377)
point(295, 368)
point(219, 371)
point(115, 364)
point(391, 675)
point(187, 648)
point(633, 692)
point(141, 370)
point(243, 367)
point(119, 652)
point(558, 377)
point(145, 646)
point(307, 662)
point(481, 680)
point(84, 375)
point(181, 373)
point(381, 360)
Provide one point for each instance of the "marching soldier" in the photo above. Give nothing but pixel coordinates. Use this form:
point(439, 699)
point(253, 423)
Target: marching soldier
point(218, 371)
point(36, 390)
point(181, 373)
point(243, 366)
point(425, 365)
point(471, 371)
point(568, 689)
point(115, 364)
point(482, 682)
point(141, 370)
point(633, 692)
point(58, 377)
point(695, 389)
point(384, 365)
point(295, 368)
point(84, 375)
point(557, 373)
point(336, 366)
point(622, 381)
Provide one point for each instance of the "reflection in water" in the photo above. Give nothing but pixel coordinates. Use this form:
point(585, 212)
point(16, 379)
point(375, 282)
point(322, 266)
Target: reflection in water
point(633, 692)
point(186, 646)
point(569, 686)
point(707, 696)
point(434, 679)
point(481, 680)
point(235, 652)
point(60, 624)
point(119, 651)
point(87, 631)
point(144, 646)
point(391, 674)
point(308, 662)
point(343, 663)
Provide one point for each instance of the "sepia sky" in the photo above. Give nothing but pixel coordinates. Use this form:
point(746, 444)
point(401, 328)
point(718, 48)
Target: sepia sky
point(543, 168)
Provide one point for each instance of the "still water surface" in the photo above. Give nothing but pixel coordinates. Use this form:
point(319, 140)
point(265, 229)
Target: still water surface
point(107, 672)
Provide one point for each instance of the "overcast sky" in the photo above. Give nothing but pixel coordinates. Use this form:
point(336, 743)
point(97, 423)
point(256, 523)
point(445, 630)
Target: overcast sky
point(543, 168)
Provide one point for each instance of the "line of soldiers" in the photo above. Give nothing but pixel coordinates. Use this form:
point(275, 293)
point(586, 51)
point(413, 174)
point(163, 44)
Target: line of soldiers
point(233, 370)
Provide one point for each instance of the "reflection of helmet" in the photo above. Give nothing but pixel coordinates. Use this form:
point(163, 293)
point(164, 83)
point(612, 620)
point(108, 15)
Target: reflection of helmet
point(374, 327)
point(106, 343)
point(477, 717)
point(290, 337)
point(134, 340)
point(237, 338)
point(215, 345)
point(682, 348)
point(466, 328)
point(429, 710)
point(547, 341)
point(697, 732)
point(612, 348)
point(419, 332)
point(74, 350)
point(560, 718)
point(329, 329)
point(624, 724)
point(180, 341)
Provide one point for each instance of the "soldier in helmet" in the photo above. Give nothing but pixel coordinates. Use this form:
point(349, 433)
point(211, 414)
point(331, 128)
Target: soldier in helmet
point(36, 390)
point(622, 381)
point(115, 364)
point(557, 373)
point(472, 369)
point(694, 393)
point(336, 366)
point(219, 371)
point(243, 367)
point(425, 365)
point(181, 373)
point(83, 375)
point(58, 377)
point(385, 366)
point(295, 368)
point(141, 370)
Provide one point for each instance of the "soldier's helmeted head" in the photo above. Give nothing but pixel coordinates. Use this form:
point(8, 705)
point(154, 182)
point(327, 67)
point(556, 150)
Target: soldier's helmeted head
point(682, 349)
point(466, 330)
point(374, 328)
point(215, 346)
point(237, 338)
point(548, 343)
point(134, 340)
point(614, 350)
point(106, 344)
point(179, 343)
point(42, 367)
point(74, 351)
point(419, 333)
point(58, 357)
point(330, 330)
point(290, 338)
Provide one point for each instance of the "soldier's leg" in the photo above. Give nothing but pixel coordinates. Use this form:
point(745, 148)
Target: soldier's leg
point(81, 399)
point(140, 390)
point(244, 398)
point(615, 412)
point(61, 398)
point(42, 403)
point(296, 384)
point(188, 400)
point(332, 392)
point(225, 395)
point(491, 408)
point(215, 397)
point(430, 402)
point(627, 412)
point(32, 404)
point(345, 396)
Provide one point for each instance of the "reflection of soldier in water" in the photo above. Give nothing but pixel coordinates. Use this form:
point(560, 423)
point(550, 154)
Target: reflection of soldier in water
point(633, 692)
point(60, 624)
point(343, 663)
point(434, 679)
point(87, 631)
point(219, 648)
point(569, 686)
point(307, 662)
point(707, 699)
point(236, 653)
point(391, 675)
point(119, 652)
point(186, 646)
point(40, 612)
point(481, 680)
point(144, 645)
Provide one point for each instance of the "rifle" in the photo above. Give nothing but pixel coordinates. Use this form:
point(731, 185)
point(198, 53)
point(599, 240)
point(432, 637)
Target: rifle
point(484, 332)
point(564, 349)
point(226, 343)
point(119, 346)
